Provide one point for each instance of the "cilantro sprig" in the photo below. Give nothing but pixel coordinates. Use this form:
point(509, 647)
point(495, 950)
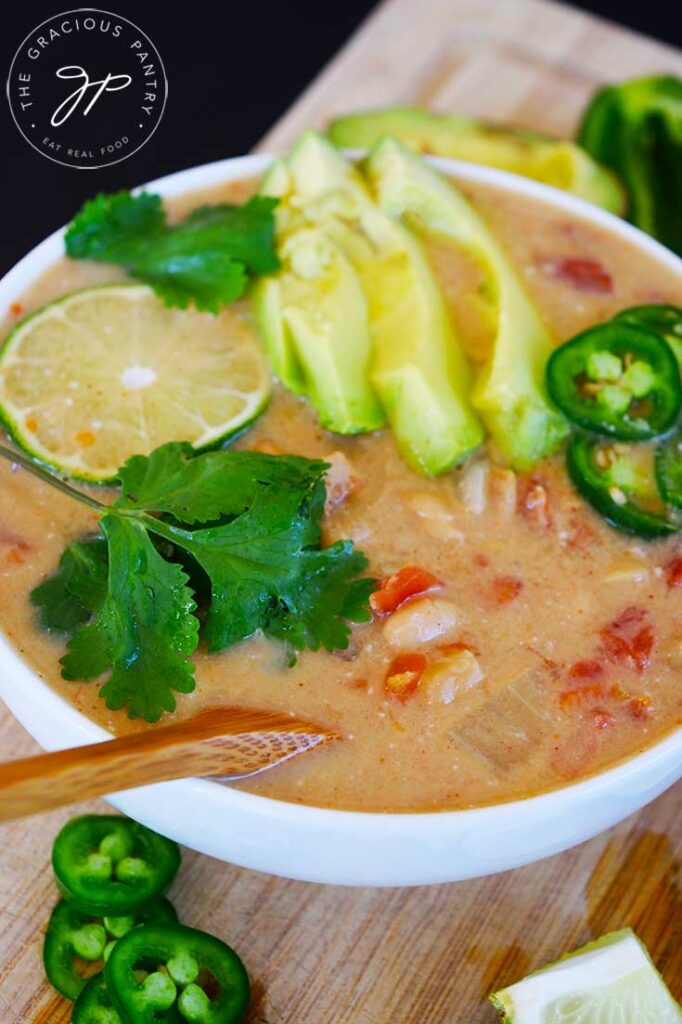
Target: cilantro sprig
point(235, 534)
point(206, 260)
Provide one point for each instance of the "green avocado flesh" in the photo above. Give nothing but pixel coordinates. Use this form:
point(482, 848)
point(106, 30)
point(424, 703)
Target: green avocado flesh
point(509, 392)
point(562, 164)
point(357, 313)
point(313, 319)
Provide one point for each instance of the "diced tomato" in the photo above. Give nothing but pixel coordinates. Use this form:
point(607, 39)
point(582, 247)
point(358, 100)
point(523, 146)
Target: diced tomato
point(398, 588)
point(577, 695)
point(590, 668)
point(583, 274)
point(616, 648)
point(601, 719)
point(673, 572)
point(506, 589)
point(641, 707)
point(629, 638)
point(642, 646)
point(16, 309)
point(405, 674)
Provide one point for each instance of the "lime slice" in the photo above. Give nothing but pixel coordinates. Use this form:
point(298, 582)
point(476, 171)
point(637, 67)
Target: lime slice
point(610, 981)
point(108, 372)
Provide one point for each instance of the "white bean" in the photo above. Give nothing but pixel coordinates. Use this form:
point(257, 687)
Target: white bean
point(437, 517)
point(420, 621)
point(453, 675)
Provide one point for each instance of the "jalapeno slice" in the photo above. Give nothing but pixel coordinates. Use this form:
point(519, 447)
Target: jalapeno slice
point(174, 969)
point(95, 1005)
point(669, 469)
point(616, 486)
point(619, 379)
point(106, 864)
point(664, 320)
point(77, 944)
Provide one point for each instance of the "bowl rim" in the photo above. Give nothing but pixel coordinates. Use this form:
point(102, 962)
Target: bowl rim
point(23, 689)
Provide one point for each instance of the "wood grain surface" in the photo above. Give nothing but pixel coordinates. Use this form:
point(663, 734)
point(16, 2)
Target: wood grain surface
point(230, 742)
point(320, 954)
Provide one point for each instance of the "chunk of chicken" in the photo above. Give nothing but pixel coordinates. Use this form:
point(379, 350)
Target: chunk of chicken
point(473, 483)
point(341, 480)
point(502, 491)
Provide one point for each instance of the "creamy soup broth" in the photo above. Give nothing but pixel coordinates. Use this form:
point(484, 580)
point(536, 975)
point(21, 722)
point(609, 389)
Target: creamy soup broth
point(535, 583)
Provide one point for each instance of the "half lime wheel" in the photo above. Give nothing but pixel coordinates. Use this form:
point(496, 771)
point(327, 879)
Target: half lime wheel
point(109, 372)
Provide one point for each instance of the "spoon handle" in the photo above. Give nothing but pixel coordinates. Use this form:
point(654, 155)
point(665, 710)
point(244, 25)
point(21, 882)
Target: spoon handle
point(229, 742)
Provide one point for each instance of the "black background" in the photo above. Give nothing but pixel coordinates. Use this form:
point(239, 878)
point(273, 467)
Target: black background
point(233, 67)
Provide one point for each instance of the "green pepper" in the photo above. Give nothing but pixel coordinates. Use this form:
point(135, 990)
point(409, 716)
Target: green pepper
point(618, 379)
point(111, 865)
point(95, 1005)
point(76, 943)
point(173, 969)
point(669, 469)
point(635, 128)
point(664, 320)
point(618, 487)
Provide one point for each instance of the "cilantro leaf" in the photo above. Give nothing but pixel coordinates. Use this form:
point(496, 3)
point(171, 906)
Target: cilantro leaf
point(70, 596)
point(144, 630)
point(251, 563)
point(266, 575)
point(248, 231)
point(205, 260)
point(356, 606)
point(239, 531)
point(311, 609)
point(207, 280)
point(203, 489)
point(111, 228)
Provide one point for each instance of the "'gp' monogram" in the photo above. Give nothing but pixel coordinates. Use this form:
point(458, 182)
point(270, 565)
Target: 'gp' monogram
point(112, 83)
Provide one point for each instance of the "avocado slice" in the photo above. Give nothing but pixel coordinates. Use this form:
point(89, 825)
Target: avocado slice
point(266, 294)
point(562, 164)
point(418, 368)
point(266, 302)
point(510, 390)
point(312, 317)
point(315, 327)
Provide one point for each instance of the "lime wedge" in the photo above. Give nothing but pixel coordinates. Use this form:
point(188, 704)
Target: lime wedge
point(610, 981)
point(108, 372)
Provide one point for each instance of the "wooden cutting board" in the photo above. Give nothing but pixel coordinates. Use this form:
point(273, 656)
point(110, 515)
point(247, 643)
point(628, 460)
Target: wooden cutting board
point(413, 956)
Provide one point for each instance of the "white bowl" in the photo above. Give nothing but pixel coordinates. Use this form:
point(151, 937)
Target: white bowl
point(347, 847)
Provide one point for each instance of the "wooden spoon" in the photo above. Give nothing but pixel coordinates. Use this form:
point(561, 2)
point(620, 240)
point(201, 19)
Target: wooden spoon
point(230, 742)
